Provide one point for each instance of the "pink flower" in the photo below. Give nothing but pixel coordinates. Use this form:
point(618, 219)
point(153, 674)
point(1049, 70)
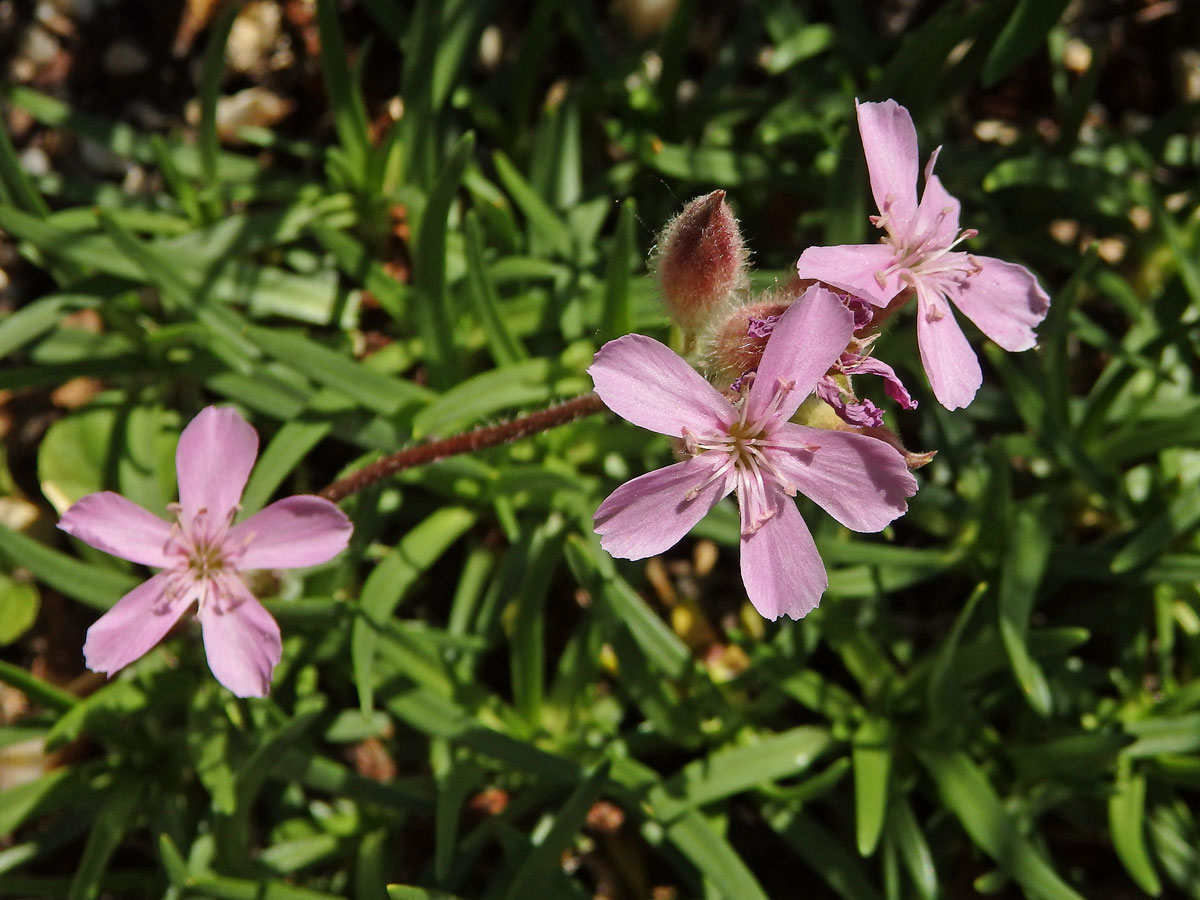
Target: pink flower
point(917, 252)
point(751, 447)
point(203, 556)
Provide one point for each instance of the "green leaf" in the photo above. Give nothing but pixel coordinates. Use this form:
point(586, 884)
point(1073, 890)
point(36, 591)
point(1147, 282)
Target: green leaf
point(92, 585)
point(1164, 734)
point(16, 188)
point(737, 769)
point(1026, 556)
point(35, 689)
point(617, 316)
point(942, 697)
point(75, 456)
point(285, 451)
point(390, 580)
point(872, 756)
point(223, 888)
point(905, 830)
point(43, 794)
point(454, 787)
point(116, 816)
point(345, 99)
point(595, 570)
point(966, 792)
point(1159, 531)
point(173, 863)
point(371, 865)
point(531, 381)
point(503, 346)
point(435, 322)
point(1022, 34)
point(824, 854)
point(714, 858)
point(378, 393)
point(211, 69)
point(352, 258)
point(410, 892)
point(539, 561)
point(533, 878)
point(19, 604)
point(1127, 824)
point(544, 223)
point(104, 713)
point(803, 43)
point(32, 320)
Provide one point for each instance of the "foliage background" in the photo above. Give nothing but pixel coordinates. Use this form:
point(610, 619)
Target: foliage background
point(999, 695)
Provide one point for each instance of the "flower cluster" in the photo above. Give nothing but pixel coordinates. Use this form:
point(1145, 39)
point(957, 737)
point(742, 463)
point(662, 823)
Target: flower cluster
point(779, 417)
point(784, 417)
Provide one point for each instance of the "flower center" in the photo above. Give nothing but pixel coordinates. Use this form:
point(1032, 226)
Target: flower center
point(749, 446)
point(200, 544)
point(920, 254)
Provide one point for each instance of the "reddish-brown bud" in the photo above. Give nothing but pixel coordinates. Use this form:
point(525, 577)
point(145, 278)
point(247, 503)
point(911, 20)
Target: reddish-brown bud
point(701, 261)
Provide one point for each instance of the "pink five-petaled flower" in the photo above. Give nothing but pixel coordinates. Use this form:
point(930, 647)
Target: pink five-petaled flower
point(203, 556)
point(751, 447)
point(917, 252)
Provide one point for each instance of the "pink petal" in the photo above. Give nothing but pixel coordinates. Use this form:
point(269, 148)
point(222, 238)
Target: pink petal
point(851, 268)
point(950, 363)
point(1004, 300)
point(298, 531)
point(650, 514)
point(648, 384)
point(137, 622)
point(781, 568)
point(889, 141)
point(241, 640)
point(808, 338)
point(892, 385)
point(213, 460)
point(109, 522)
point(937, 216)
point(860, 481)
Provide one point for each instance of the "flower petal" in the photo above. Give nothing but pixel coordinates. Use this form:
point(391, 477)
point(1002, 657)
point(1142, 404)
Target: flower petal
point(889, 141)
point(297, 531)
point(851, 268)
point(808, 338)
point(1004, 300)
point(648, 384)
point(782, 571)
point(109, 522)
point(650, 514)
point(213, 461)
point(937, 216)
point(241, 640)
point(892, 385)
point(137, 622)
point(950, 364)
point(860, 481)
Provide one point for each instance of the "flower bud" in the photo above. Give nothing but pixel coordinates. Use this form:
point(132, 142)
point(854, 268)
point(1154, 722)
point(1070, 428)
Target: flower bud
point(736, 341)
point(701, 261)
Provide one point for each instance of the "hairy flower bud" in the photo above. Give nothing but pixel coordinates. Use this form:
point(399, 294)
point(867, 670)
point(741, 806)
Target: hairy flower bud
point(736, 341)
point(737, 345)
point(701, 261)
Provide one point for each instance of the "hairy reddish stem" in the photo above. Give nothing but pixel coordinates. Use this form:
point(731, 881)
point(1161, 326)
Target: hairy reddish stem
point(479, 439)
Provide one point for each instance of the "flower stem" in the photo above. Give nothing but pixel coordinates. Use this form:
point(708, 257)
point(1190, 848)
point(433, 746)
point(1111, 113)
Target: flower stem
point(479, 439)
